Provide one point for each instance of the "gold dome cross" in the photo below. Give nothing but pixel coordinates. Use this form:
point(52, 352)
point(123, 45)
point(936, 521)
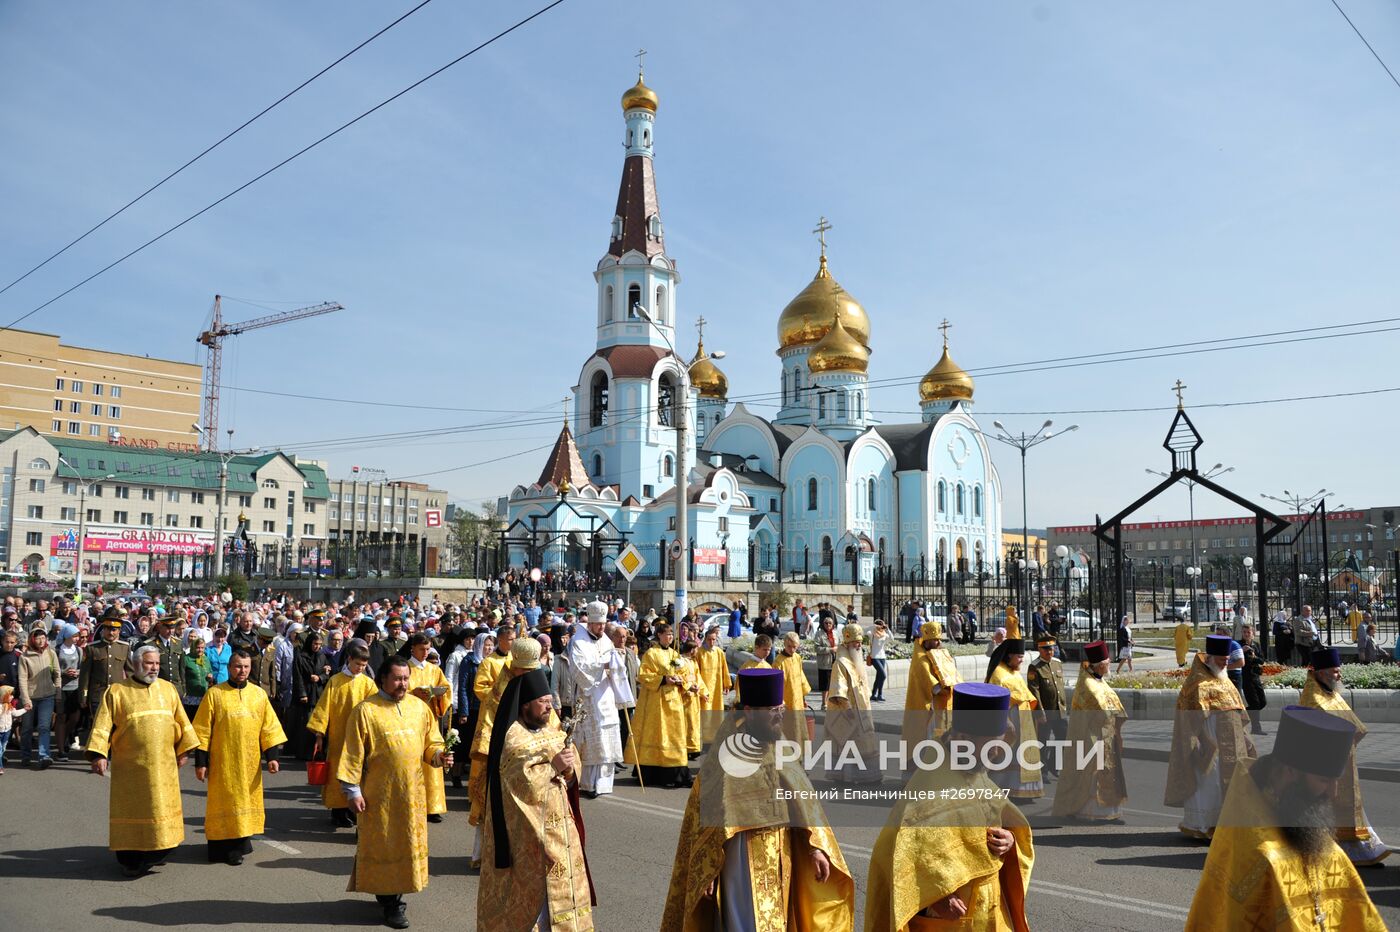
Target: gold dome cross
point(822, 226)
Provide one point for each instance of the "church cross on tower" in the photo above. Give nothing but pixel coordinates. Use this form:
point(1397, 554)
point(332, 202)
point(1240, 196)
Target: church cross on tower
point(1179, 387)
point(641, 58)
point(564, 402)
point(700, 327)
point(945, 327)
point(822, 226)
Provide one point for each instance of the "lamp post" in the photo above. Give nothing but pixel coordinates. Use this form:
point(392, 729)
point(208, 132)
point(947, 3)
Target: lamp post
point(682, 483)
point(82, 521)
point(1024, 442)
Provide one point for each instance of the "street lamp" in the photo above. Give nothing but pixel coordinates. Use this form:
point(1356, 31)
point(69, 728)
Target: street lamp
point(82, 521)
point(1024, 442)
point(682, 484)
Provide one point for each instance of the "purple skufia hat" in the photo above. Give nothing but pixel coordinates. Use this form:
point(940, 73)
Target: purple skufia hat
point(1314, 741)
point(980, 709)
point(760, 689)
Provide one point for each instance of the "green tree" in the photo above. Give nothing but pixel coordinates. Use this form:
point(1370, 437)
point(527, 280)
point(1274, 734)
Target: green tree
point(471, 529)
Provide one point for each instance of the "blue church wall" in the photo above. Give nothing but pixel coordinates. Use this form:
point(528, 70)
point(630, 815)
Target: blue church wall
point(870, 461)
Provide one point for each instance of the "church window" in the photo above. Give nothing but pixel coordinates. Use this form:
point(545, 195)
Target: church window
point(665, 400)
point(826, 550)
point(812, 494)
point(598, 465)
point(870, 494)
point(821, 406)
point(617, 228)
point(977, 502)
point(959, 498)
point(785, 388)
point(942, 496)
point(659, 311)
point(646, 137)
point(654, 226)
point(860, 406)
point(796, 385)
point(598, 400)
point(668, 466)
point(841, 406)
point(606, 312)
point(634, 300)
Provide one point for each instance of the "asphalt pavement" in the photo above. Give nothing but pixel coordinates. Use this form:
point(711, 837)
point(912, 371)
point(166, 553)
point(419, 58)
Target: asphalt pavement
point(59, 875)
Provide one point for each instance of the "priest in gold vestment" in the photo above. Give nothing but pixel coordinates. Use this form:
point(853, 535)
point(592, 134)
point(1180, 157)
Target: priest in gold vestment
point(747, 861)
point(795, 687)
point(1022, 775)
point(533, 872)
point(957, 862)
point(1209, 736)
point(427, 682)
point(346, 689)
point(657, 741)
point(1093, 793)
point(142, 735)
point(1274, 863)
point(1354, 832)
point(714, 682)
point(388, 739)
point(690, 699)
point(849, 727)
point(237, 730)
point(524, 656)
point(484, 686)
point(928, 700)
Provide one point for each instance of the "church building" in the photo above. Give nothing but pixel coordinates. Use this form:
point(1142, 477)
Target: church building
point(819, 486)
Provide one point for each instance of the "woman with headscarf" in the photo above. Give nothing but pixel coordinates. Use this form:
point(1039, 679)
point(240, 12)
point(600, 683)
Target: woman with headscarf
point(335, 643)
point(310, 673)
point(69, 704)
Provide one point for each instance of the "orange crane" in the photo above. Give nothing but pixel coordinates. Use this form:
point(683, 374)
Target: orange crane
point(214, 339)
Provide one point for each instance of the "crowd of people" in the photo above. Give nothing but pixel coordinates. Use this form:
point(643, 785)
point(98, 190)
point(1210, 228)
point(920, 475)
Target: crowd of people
point(536, 703)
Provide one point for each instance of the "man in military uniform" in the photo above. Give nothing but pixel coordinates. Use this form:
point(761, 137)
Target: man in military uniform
point(104, 662)
point(392, 644)
point(1046, 678)
point(265, 663)
point(172, 653)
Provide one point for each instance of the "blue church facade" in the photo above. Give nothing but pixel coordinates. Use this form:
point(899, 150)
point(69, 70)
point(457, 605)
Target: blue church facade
point(821, 487)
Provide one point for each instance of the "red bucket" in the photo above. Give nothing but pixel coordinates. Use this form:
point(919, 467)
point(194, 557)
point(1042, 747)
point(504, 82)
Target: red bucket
point(317, 772)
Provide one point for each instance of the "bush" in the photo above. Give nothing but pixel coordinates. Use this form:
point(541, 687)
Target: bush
point(235, 584)
point(1354, 676)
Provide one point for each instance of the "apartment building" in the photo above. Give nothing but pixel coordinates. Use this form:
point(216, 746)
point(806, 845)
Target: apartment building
point(142, 511)
point(369, 512)
point(77, 392)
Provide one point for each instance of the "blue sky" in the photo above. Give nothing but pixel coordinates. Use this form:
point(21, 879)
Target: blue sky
point(1055, 178)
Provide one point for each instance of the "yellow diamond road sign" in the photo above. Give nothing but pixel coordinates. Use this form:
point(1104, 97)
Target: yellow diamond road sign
point(630, 562)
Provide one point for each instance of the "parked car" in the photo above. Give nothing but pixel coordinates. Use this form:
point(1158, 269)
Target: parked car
point(1178, 610)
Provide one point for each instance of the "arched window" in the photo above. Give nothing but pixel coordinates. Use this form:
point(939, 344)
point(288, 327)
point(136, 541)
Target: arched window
point(270, 484)
point(821, 406)
point(39, 463)
point(665, 399)
point(870, 494)
point(812, 494)
point(826, 550)
point(959, 498)
point(634, 300)
point(605, 313)
point(841, 406)
point(785, 388)
point(659, 311)
point(977, 501)
point(796, 385)
point(598, 400)
point(598, 465)
point(668, 466)
point(942, 496)
point(860, 406)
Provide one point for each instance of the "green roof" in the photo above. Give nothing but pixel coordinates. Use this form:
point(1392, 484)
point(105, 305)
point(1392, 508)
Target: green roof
point(170, 469)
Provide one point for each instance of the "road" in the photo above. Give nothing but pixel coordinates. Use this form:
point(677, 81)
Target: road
point(1138, 877)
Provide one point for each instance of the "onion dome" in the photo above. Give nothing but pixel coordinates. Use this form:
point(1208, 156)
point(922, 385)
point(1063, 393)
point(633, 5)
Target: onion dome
point(946, 381)
point(808, 317)
point(838, 351)
point(639, 95)
point(705, 376)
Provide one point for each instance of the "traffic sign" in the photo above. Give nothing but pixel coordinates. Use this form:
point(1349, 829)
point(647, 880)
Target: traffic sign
point(432, 517)
point(675, 550)
point(630, 562)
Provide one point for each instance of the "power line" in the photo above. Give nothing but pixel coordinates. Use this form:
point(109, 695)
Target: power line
point(295, 155)
point(242, 126)
point(1369, 48)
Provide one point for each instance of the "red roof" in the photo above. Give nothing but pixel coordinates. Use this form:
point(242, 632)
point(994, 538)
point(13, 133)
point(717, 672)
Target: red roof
point(565, 463)
point(636, 201)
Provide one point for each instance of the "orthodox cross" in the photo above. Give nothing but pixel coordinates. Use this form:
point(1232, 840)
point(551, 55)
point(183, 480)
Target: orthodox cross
point(1179, 387)
point(641, 58)
point(700, 326)
point(822, 226)
point(564, 403)
point(945, 327)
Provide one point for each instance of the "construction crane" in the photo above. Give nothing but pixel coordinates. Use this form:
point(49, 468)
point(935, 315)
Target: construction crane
point(214, 339)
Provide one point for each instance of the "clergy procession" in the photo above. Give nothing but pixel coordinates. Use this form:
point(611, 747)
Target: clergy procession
point(533, 725)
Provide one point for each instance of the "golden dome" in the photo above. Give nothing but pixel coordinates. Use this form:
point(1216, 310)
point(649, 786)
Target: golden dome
point(706, 377)
point(838, 351)
point(946, 381)
point(639, 95)
point(808, 317)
